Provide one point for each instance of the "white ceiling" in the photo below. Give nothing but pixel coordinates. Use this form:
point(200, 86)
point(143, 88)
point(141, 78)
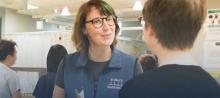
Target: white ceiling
point(123, 8)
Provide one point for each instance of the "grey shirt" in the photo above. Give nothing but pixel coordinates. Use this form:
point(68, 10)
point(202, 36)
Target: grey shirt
point(9, 82)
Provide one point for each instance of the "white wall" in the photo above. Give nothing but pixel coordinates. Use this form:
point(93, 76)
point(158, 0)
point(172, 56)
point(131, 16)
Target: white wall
point(50, 27)
point(12, 22)
point(15, 23)
point(33, 47)
point(198, 48)
point(2, 15)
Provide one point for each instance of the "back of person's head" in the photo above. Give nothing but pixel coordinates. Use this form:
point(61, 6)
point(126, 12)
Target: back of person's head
point(148, 62)
point(7, 47)
point(176, 23)
point(80, 40)
point(55, 55)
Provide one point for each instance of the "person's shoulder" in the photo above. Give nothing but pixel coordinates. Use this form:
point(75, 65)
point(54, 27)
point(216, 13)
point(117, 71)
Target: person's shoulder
point(122, 54)
point(133, 86)
point(41, 81)
point(139, 79)
point(12, 73)
point(7, 70)
point(74, 53)
point(71, 55)
point(145, 77)
point(7, 73)
point(43, 77)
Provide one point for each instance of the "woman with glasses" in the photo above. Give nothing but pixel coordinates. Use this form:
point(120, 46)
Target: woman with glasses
point(97, 69)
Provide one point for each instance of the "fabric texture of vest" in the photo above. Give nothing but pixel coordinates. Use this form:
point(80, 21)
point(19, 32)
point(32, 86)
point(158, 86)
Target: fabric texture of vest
point(77, 83)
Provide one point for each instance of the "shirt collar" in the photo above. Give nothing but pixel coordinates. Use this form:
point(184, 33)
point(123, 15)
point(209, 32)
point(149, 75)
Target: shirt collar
point(184, 59)
point(2, 65)
point(115, 61)
point(81, 59)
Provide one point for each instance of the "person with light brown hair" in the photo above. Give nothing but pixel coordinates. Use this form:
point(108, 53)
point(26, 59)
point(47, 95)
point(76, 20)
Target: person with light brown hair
point(171, 27)
point(97, 69)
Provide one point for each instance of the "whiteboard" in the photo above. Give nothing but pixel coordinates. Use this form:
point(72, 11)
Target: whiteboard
point(32, 47)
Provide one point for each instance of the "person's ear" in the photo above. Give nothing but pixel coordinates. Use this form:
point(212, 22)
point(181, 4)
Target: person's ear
point(9, 56)
point(149, 30)
point(85, 32)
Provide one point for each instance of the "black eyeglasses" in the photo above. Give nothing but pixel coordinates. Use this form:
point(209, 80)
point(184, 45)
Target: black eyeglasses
point(98, 22)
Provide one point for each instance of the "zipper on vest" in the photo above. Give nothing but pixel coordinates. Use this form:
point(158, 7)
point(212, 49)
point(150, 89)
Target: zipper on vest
point(95, 88)
point(95, 83)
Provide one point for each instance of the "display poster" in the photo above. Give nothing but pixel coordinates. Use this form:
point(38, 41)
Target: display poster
point(212, 39)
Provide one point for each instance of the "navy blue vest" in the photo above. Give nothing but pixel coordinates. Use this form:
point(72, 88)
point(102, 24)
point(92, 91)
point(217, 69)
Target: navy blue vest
point(77, 81)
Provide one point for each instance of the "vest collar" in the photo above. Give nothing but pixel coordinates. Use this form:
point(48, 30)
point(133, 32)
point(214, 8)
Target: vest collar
point(115, 61)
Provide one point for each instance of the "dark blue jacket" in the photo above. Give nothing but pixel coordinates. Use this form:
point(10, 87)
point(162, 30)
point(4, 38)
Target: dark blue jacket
point(77, 81)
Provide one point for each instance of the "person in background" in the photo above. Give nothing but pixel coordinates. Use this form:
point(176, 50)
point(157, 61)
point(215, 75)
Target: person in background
point(97, 69)
point(171, 27)
point(148, 62)
point(45, 85)
point(9, 81)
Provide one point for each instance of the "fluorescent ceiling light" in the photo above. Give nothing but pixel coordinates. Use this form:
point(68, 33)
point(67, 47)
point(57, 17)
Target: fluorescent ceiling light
point(137, 6)
point(30, 6)
point(65, 11)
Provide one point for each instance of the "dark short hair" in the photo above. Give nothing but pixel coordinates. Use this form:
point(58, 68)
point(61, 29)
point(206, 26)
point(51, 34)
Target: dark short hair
point(7, 47)
point(176, 23)
point(81, 41)
point(55, 55)
point(148, 62)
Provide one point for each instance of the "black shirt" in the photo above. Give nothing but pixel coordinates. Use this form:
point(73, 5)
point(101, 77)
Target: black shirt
point(95, 68)
point(172, 81)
